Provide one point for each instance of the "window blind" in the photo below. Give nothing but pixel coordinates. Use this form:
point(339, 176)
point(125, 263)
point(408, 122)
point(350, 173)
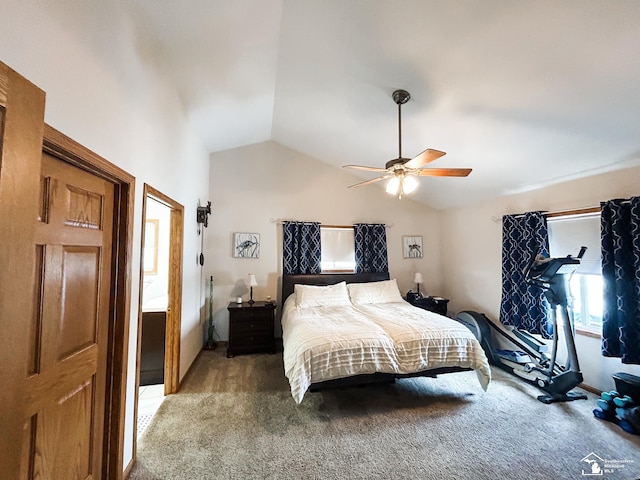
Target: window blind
point(337, 248)
point(568, 234)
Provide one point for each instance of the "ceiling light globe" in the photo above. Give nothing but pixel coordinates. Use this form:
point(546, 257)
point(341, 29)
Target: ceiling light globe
point(393, 186)
point(410, 184)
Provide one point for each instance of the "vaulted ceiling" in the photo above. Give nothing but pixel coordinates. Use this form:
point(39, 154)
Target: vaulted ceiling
point(527, 93)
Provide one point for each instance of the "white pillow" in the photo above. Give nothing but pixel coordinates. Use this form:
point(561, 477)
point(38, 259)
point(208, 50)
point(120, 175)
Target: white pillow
point(321, 296)
point(375, 292)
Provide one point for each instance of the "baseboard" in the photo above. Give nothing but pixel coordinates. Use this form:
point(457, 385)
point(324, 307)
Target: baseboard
point(218, 344)
point(590, 389)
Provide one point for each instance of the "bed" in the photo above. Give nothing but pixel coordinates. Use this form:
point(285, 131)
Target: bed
point(345, 329)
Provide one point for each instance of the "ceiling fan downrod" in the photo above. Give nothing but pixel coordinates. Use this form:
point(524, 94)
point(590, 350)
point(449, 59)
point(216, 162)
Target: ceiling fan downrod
point(400, 97)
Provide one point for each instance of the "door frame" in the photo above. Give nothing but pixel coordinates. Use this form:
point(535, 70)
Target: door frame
point(174, 310)
point(68, 150)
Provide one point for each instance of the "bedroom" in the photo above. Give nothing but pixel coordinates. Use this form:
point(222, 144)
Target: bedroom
point(107, 87)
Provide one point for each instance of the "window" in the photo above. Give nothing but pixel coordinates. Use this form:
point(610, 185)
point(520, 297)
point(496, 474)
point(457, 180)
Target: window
point(586, 291)
point(566, 235)
point(338, 249)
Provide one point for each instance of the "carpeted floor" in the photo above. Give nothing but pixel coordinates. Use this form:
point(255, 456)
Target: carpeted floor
point(235, 419)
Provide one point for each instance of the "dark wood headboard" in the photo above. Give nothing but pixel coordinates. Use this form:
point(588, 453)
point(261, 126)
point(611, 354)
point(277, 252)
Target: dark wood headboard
point(288, 281)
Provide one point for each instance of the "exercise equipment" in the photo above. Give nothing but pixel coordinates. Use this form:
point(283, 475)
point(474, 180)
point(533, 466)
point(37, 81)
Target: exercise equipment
point(532, 361)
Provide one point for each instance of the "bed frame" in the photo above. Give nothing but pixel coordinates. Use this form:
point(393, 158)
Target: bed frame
point(288, 282)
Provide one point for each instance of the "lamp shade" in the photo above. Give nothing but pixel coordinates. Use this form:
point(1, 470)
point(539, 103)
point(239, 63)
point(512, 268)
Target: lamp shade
point(252, 280)
point(418, 278)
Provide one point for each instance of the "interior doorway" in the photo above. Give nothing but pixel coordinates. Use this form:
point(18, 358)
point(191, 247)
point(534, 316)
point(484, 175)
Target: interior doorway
point(160, 303)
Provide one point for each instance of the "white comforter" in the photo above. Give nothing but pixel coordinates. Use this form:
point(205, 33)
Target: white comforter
point(325, 343)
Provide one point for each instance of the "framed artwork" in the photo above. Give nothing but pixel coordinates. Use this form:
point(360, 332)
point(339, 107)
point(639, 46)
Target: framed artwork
point(246, 245)
point(150, 253)
point(412, 246)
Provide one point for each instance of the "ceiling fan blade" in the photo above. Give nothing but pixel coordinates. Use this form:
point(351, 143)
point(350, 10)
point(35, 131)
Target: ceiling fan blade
point(369, 169)
point(367, 182)
point(443, 172)
point(429, 155)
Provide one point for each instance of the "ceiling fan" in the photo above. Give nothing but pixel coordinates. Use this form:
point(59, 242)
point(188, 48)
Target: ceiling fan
point(402, 171)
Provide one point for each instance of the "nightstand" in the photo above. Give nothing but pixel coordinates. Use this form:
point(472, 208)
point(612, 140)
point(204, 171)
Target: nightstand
point(433, 304)
point(251, 328)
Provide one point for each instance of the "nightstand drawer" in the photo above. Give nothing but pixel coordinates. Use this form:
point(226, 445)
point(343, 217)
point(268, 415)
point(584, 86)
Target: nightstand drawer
point(248, 314)
point(253, 340)
point(251, 326)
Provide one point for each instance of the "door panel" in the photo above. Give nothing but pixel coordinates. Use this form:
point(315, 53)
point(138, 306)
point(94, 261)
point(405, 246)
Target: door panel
point(79, 296)
point(63, 436)
point(69, 334)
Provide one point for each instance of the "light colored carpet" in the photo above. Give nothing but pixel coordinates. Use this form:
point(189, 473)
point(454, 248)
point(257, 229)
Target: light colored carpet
point(235, 419)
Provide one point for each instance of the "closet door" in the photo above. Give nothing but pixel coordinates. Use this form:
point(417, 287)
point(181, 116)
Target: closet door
point(21, 131)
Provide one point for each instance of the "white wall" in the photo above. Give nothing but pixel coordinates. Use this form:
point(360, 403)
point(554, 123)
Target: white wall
point(472, 257)
point(251, 186)
point(106, 90)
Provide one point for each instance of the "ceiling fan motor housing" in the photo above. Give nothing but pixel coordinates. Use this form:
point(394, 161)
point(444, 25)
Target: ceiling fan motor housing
point(396, 161)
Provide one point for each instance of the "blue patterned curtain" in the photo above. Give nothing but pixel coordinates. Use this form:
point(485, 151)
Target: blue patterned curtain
point(371, 247)
point(301, 252)
point(523, 305)
point(620, 230)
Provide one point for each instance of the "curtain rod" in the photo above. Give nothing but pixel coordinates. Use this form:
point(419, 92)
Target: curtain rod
point(558, 213)
point(577, 211)
point(279, 221)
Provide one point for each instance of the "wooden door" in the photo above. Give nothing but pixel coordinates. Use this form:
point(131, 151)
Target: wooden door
point(21, 132)
point(65, 394)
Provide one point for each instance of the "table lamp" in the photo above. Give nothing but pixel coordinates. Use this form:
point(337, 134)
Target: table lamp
point(252, 283)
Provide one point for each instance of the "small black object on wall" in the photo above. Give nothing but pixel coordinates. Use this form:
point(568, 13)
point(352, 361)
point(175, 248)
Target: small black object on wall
point(202, 217)
point(203, 214)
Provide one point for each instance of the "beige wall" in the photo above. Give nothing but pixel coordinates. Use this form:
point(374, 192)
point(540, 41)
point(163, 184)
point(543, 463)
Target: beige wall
point(471, 256)
point(251, 187)
point(106, 90)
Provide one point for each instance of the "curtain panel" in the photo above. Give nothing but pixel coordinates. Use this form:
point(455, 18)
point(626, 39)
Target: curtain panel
point(523, 306)
point(620, 236)
point(301, 251)
point(371, 248)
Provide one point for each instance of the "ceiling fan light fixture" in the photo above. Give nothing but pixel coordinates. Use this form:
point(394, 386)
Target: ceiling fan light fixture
point(401, 185)
point(403, 171)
